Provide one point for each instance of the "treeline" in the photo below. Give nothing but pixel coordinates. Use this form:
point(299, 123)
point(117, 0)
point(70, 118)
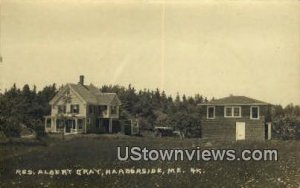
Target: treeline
point(286, 122)
point(27, 107)
point(155, 108)
point(24, 108)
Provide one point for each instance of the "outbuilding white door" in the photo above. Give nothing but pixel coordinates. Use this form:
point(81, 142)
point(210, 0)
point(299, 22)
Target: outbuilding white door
point(240, 130)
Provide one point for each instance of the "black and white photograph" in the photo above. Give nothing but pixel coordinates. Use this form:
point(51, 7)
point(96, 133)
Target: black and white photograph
point(149, 93)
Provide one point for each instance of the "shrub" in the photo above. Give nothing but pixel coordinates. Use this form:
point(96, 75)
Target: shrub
point(286, 127)
point(10, 127)
point(187, 123)
point(39, 128)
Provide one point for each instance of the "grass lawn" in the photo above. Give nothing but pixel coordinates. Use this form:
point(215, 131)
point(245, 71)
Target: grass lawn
point(100, 152)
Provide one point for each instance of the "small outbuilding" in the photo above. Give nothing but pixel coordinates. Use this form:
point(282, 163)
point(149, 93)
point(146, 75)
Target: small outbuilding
point(236, 118)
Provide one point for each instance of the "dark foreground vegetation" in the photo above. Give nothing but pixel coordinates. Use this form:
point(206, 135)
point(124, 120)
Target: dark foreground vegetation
point(100, 152)
point(26, 107)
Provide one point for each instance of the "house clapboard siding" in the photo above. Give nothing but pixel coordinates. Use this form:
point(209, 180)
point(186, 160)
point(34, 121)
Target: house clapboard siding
point(75, 100)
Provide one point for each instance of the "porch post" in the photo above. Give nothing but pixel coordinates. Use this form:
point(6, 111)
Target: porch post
point(85, 125)
point(108, 111)
point(45, 124)
point(65, 125)
point(54, 124)
point(76, 125)
point(110, 125)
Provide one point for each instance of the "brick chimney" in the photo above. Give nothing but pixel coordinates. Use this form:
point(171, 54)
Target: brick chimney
point(81, 80)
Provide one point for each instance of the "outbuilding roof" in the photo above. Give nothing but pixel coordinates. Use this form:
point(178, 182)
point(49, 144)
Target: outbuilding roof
point(235, 100)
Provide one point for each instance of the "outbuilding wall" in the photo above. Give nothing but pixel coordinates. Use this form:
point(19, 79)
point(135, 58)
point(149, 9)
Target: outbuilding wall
point(225, 128)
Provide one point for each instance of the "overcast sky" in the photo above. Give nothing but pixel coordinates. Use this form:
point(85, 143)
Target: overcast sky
point(214, 48)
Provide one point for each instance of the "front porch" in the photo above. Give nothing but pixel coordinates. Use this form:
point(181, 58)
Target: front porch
point(66, 125)
point(104, 125)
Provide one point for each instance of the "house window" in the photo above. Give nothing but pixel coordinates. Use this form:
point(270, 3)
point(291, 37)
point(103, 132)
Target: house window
point(113, 110)
point(61, 109)
point(228, 111)
point(232, 111)
point(236, 112)
point(74, 108)
point(210, 112)
point(254, 112)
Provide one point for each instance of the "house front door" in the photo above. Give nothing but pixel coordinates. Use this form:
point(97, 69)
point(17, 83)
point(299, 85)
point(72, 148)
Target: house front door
point(240, 130)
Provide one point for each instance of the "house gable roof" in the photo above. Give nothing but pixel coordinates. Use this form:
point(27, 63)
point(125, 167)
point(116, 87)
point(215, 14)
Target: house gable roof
point(90, 94)
point(235, 100)
point(108, 98)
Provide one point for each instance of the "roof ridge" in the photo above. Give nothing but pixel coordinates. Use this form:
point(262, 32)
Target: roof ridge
point(243, 100)
point(89, 93)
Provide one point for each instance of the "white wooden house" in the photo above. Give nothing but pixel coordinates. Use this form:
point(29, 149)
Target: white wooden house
point(79, 108)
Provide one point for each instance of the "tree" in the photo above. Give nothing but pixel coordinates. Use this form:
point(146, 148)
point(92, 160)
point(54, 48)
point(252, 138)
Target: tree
point(24, 107)
point(185, 122)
